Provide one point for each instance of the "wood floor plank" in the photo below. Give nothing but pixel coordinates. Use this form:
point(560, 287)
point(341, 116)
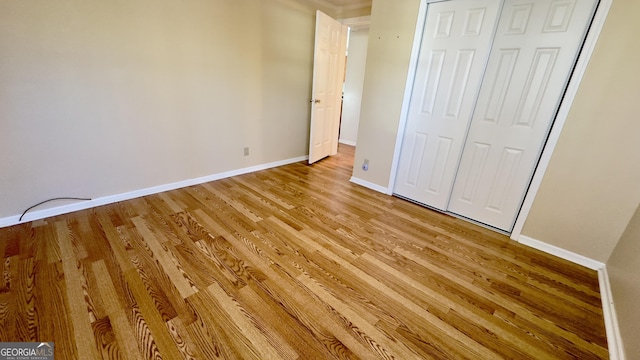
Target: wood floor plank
point(256, 298)
point(78, 307)
point(52, 302)
point(182, 339)
point(259, 192)
point(335, 335)
point(340, 343)
point(166, 260)
point(28, 317)
point(294, 262)
point(147, 316)
point(174, 205)
point(364, 331)
point(9, 300)
point(108, 345)
point(468, 316)
point(512, 306)
point(413, 307)
point(116, 311)
point(248, 326)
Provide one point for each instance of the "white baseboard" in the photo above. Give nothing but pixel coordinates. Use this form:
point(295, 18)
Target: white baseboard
point(561, 253)
point(347, 142)
point(614, 340)
point(369, 185)
point(64, 209)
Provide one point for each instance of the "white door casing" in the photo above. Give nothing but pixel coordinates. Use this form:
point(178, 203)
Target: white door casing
point(454, 50)
point(533, 54)
point(328, 73)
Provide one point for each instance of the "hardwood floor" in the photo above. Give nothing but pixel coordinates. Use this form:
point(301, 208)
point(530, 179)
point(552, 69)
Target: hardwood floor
point(294, 262)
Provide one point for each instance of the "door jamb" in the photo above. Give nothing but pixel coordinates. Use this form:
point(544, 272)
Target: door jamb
point(563, 111)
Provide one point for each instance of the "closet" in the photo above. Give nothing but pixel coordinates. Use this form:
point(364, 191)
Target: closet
point(490, 77)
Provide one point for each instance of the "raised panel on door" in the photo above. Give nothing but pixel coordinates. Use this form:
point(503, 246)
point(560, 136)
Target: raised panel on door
point(532, 57)
point(454, 50)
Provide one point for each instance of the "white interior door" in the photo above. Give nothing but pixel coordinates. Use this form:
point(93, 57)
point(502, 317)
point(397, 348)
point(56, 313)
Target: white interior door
point(328, 75)
point(533, 54)
point(454, 50)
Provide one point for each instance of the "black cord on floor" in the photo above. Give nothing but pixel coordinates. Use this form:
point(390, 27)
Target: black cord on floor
point(58, 198)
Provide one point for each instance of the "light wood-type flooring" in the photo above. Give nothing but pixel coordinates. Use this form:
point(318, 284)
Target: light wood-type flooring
point(294, 262)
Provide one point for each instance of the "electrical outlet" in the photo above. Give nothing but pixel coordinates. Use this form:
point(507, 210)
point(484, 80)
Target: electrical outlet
point(365, 165)
point(246, 151)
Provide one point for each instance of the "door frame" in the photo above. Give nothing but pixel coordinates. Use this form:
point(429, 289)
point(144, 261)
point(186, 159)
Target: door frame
point(573, 85)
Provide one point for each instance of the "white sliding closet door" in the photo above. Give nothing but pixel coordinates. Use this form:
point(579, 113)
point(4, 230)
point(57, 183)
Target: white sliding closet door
point(454, 51)
point(533, 54)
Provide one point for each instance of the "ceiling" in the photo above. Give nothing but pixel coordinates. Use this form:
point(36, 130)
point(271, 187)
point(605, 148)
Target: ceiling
point(347, 3)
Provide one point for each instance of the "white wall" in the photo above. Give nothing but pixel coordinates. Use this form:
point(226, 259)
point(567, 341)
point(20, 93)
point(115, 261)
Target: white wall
point(102, 98)
point(354, 82)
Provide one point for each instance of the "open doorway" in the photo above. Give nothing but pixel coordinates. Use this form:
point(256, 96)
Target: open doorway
point(354, 78)
point(337, 91)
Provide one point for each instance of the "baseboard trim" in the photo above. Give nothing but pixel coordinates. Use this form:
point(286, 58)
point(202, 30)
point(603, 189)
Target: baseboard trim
point(369, 185)
point(614, 340)
point(347, 142)
point(64, 209)
point(561, 253)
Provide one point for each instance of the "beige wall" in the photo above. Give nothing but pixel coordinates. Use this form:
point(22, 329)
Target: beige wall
point(592, 185)
point(391, 34)
point(101, 98)
point(625, 285)
point(351, 13)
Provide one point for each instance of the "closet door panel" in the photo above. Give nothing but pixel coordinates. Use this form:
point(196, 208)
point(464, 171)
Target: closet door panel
point(533, 54)
point(454, 51)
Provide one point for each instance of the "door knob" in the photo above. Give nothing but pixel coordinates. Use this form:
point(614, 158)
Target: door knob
point(316, 101)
